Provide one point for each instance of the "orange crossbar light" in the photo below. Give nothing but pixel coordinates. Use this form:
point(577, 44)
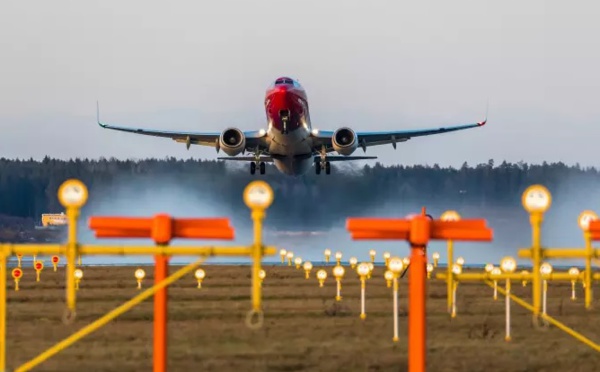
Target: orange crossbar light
point(594, 229)
point(162, 228)
point(418, 231)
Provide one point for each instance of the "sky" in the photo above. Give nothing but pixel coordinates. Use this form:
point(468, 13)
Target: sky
point(373, 65)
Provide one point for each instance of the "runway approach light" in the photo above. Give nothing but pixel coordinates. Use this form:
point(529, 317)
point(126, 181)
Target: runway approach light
point(327, 254)
point(290, 255)
point(200, 275)
point(574, 273)
point(258, 195)
point(307, 268)
point(372, 253)
point(585, 218)
point(353, 262)
point(489, 267)
point(429, 270)
point(508, 265)
point(261, 276)
point(282, 253)
point(321, 276)
point(386, 258)
point(298, 262)
point(140, 274)
point(338, 273)
point(450, 216)
point(436, 258)
point(388, 275)
point(72, 194)
point(536, 199)
point(78, 275)
point(363, 271)
point(338, 258)
point(460, 261)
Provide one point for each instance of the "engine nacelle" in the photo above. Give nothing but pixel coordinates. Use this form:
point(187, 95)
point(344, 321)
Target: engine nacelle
point(344, 141)
point(232, 141)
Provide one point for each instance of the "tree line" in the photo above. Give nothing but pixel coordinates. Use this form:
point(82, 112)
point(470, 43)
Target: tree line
point(28, 188)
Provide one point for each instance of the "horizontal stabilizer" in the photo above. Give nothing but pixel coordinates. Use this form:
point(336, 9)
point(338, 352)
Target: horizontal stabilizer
point(266, 159)
point(344, 158)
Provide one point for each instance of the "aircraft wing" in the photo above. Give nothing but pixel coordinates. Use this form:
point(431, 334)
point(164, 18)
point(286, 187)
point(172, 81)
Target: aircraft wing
point(253, 138)
point(367, 139)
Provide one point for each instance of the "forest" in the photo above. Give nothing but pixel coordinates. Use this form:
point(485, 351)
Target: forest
point(28, 188)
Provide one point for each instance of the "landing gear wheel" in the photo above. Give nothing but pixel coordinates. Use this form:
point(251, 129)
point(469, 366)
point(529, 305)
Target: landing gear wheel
point(317, 168)
point(252, 167)
point(262, 167)
point(327, 168)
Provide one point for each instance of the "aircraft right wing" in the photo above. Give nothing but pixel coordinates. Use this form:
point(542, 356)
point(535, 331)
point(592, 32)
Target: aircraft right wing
point(253, 138)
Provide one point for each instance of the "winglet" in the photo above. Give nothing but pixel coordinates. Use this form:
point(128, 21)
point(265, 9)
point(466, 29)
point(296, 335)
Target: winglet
point(482, 123)
point(98, 115)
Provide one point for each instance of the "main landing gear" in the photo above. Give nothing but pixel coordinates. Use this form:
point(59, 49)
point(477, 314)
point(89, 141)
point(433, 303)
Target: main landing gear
point(323, 165)
point(261, 167)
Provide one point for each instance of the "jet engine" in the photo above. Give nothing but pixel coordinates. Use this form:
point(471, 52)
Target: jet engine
point(232, 141)
point(344, 141)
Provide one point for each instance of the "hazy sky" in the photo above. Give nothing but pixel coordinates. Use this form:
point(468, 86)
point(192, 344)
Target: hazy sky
point(366, 64)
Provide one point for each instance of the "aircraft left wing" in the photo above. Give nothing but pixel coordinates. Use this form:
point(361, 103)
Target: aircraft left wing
point(367, 139)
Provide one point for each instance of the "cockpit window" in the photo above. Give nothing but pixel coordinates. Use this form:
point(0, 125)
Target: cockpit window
point(289, 81)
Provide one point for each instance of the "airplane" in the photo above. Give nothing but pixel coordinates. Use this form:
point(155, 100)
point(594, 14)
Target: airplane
point(290, 141)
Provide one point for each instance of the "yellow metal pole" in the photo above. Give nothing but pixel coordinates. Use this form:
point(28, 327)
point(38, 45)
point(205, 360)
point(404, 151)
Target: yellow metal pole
point(3, 273)
point(108, 317)
point(550, 319)
point(450, 277)
point(257, 217)
point(588, 269)
point(142, 250)
point(536, 220)
point(72, 216)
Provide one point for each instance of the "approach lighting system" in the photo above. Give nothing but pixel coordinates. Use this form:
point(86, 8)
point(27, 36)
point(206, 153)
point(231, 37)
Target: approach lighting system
point(536, 199)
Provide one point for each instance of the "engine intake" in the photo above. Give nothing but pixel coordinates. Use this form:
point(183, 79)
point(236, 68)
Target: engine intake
point(232, 141)
point(344, 141)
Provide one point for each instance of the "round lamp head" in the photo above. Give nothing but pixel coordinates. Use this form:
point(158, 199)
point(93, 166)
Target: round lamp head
point(371, 266)
point(258, 194)
point(353, 260)
point(327, 252)
point(308, 265)
point(395, 265)
point(338, 272)
point(508, 264)
point(524, 272)
point(363, 269)
point(262, 274)
point(435, 256)
point(456, 269)
point(282, 252)
point(585, 218)
point(386, 255)
point(200, 274)
point(546, 268)
point(290, 254)
point(406, 261)
point(496, 271)
point(72, 194)
point(78, 274)
point(536, 198)
point(389, 275)
point(372, 252)
point(489, 267)
point(574, 272)
point(140, 274)
point(460, 261)
point(298, 260)
point(450, 216)
point(338, 255)
point(429, 267)
point(321, 274)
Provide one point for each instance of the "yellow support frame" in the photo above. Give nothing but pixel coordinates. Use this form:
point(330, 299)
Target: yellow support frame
point(258, 196)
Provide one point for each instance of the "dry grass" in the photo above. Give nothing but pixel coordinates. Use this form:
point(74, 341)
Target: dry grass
point(302, 332)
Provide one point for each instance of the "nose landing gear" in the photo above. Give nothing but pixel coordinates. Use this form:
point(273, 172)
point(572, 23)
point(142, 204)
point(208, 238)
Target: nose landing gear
point(323, 165)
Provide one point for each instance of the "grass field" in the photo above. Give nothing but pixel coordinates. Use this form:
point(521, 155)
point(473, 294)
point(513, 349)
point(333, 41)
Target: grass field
point(303, 331)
